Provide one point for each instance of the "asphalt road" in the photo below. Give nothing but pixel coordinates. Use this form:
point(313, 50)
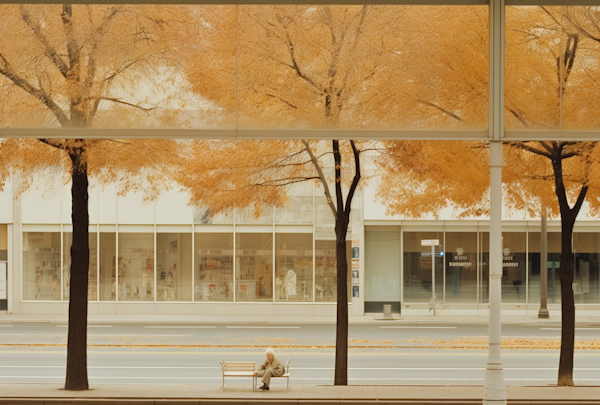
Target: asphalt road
point(366, 366)
point(394, 334)
point(398, 353)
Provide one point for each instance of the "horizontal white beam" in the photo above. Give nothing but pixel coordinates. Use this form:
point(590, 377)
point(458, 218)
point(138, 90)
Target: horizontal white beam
point(427, 135)
point(258, 2)
point(553, 2)
point(321, 2)
point(557, 135)
point(103, 133)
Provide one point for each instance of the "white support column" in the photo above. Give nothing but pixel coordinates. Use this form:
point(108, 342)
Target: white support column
point(495, 389)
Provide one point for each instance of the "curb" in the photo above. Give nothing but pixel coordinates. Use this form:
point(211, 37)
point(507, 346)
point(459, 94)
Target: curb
point(241, 401)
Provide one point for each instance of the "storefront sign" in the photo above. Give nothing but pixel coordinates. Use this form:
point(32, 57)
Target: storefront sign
point(460, 259)
point(430, 242)
point(2, 281)
point(508, 259)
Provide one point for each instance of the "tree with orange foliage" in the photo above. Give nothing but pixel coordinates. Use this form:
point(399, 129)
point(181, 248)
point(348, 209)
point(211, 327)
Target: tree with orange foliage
point(289, 76)
point(82, 67)
point(547, 86)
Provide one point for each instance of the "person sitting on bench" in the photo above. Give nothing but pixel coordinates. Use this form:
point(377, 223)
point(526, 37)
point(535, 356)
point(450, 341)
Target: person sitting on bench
point(272, 367)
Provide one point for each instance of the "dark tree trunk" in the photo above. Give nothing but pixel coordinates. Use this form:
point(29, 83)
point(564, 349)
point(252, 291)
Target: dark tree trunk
point(566, 273)
point(342, 220)
point(568, 216)
point(341, 335)
point(77, 378)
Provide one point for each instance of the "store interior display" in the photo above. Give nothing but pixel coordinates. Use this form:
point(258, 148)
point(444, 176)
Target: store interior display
point(215, 275)
point(136, 267)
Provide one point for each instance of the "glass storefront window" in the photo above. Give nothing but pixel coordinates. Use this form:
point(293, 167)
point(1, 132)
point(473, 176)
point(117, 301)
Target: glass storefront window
point(254, 267)
point(136, 266)
point(293, 267)
point(326, 270)
point(41, 266)
point(417, 267)
point(586, 284)
point(553, 265)
point(382, 266)
point(213, 279)
point(107, 261)
point(173, 267)
point(461, 267)
point(93, 274)
point(514, 268)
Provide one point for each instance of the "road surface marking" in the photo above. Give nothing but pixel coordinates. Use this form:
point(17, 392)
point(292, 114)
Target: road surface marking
point(575, 329)
point(89, 326)
point(316, 368)
point(180, 327)
point(263, 327)
point(300, 378)
point(6, 326)
point(418, 327)
point(329, 352)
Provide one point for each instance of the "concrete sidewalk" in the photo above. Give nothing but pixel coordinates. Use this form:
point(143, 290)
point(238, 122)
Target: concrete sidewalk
point(205, 394)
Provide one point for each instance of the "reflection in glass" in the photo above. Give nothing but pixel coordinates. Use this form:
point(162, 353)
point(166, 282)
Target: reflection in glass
point(553, 265)
point(136, 267)
point(293, 267)
point(41, 266)
point(108, 261)
point(461, 266)
point(254, 267)
point(173, 267)
point(514, 267)
point(213, 280)
point(586, 285)
point(417, 267)
point(92, 276)
point(326, 270)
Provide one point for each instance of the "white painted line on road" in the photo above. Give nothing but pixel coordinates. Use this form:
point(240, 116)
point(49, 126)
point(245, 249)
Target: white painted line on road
point(64, 334)
point(318, 368)
point(263, 327)
point(296, 378)
point(89, 326)
point(575, 329)
point(180, 327)
point(6, 326)
point(418, 327)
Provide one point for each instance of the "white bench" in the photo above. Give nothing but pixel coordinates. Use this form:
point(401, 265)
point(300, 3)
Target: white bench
point(238, 369)
point(286, 374)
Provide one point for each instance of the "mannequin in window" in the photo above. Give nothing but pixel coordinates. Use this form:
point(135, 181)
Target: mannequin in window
point(290, 283)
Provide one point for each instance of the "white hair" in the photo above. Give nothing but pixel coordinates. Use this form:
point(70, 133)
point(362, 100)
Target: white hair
point(270, 351)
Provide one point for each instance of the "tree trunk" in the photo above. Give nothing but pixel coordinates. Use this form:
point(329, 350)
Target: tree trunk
point(77, 378)
point(341, 336)
point(567, 340)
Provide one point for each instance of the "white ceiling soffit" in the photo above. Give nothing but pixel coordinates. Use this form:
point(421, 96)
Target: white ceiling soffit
point(107, 133)
point(317, 2)
point(312, 2)
point(430, 135)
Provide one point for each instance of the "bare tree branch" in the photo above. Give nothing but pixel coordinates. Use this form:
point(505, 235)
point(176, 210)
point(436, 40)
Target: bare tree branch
point(321, 177)
point(49, 51)
point(7, 70)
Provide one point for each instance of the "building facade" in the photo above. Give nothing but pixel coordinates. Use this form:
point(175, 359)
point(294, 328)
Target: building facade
point(167, 258)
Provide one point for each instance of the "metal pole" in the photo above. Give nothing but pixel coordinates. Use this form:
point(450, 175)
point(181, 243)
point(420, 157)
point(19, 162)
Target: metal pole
point(543, 313)
point(433, 278)
point(495, 390)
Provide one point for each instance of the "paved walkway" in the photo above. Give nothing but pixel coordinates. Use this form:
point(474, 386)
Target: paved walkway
point(205, 394)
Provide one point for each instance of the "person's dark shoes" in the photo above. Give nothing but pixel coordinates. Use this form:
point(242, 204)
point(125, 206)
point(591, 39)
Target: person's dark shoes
point(265, 387)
